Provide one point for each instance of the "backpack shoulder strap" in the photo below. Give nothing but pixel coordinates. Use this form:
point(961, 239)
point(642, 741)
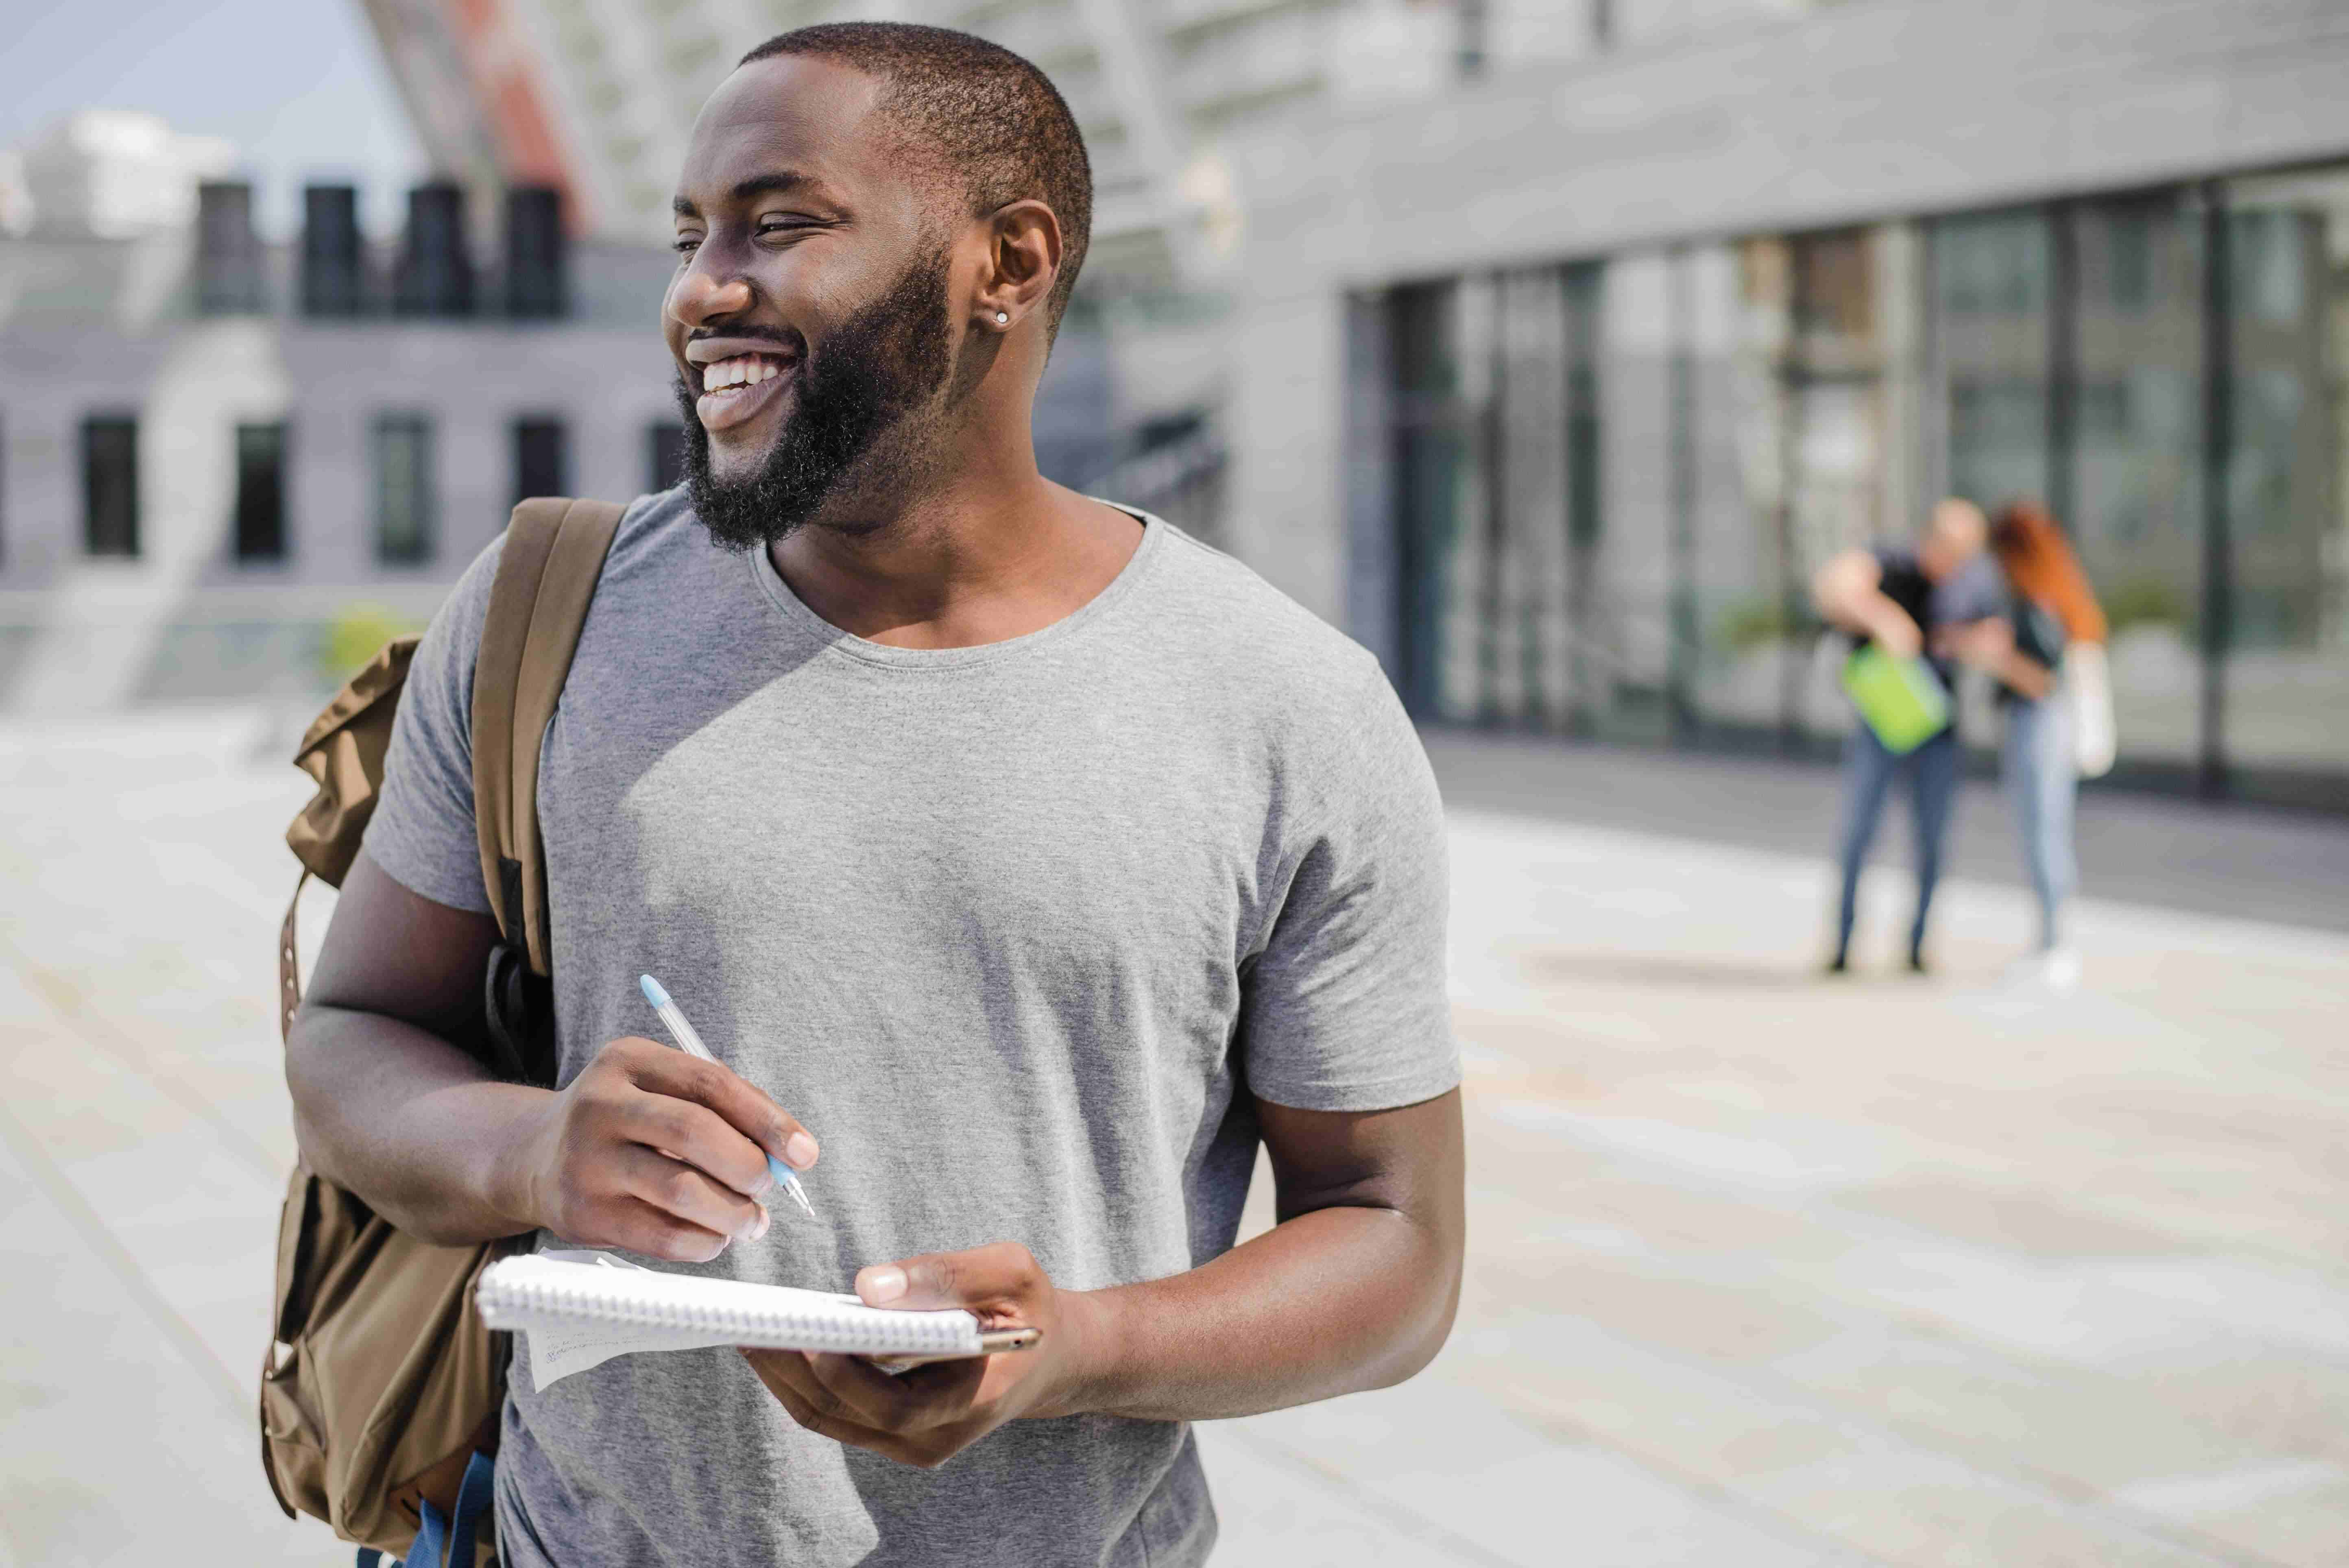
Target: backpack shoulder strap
point(548, 573)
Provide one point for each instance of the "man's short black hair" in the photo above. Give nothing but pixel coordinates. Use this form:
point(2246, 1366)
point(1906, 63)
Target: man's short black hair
point(995, 121)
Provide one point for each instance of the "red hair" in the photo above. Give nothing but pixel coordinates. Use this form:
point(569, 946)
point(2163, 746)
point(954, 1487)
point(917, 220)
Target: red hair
point(2044, 570)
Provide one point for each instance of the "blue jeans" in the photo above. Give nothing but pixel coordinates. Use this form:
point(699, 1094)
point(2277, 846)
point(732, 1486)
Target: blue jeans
point(2041, 782)
point(1868, 768)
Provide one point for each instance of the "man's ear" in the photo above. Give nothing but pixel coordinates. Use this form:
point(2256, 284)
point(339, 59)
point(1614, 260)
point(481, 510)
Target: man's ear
point(1023, 258)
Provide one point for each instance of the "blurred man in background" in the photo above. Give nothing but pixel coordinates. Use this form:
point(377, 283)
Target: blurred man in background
point(1931, 600)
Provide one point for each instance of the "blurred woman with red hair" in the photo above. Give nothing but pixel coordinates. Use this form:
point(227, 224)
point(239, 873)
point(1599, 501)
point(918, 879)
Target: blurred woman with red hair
point(2065, 728)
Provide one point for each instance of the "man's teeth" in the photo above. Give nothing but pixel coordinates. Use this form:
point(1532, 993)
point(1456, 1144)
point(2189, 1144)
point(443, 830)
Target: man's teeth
point(745, 370)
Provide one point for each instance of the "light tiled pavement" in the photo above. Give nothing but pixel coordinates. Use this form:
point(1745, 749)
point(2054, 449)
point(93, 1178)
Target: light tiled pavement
point(1764, 1271)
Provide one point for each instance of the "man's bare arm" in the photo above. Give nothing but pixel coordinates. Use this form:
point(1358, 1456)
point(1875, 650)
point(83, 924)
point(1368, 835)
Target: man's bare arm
point(1848, 591)
point(1989, 646)
point(646, 1149)
point(1355, 1288)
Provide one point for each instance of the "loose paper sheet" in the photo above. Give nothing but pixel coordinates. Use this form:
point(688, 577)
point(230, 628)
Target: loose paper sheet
point(556, 1352)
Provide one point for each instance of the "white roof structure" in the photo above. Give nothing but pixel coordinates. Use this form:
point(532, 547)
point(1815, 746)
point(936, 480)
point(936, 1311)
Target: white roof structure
point(599, 95)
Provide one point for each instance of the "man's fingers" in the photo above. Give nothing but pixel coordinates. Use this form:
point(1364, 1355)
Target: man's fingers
point(785, 1374)
point(993, 1276)
point(790, 1379)
point(638, 1227)
point(688, 1130)
point(673, 1073)
point(866, 1392)
point(679, 1189)
point(919, 1402)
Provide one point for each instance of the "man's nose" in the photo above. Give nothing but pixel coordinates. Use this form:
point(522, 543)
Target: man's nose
point(700, 297)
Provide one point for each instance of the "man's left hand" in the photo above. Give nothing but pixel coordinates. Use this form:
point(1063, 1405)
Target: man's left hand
point(928, 1415)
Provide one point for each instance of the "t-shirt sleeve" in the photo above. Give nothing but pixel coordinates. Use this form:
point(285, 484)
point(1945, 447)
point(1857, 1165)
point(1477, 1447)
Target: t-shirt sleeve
point(1346, 1006)
point(422, 830)
point(1975, 591)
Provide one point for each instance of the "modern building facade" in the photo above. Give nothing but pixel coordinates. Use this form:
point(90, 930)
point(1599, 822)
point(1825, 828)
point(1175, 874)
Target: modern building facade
point(215, 450)
point(598, 96)
point(1557, 387)
point(1552, 343)
point(212, 449)
point(1548, 345)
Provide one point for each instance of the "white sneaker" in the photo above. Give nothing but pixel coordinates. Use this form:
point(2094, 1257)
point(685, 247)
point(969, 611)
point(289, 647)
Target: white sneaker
point(2056, 969)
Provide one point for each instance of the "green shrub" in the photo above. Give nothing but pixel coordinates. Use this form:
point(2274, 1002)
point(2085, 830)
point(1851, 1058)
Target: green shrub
point(356, 637)
point(1756, 623)
point(2147, 601)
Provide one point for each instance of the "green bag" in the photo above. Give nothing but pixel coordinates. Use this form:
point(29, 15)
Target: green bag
point(1902, 700)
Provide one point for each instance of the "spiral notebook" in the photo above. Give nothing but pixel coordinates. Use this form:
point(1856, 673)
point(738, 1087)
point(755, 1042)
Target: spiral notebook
point(580, 1309)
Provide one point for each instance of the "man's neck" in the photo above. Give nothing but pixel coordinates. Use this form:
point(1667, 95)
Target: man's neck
point(992, 552)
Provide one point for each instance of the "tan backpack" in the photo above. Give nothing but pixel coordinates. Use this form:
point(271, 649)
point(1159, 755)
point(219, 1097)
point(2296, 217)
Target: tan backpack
point(382, 1392)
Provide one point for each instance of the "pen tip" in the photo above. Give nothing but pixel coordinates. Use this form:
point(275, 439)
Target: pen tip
point(652, 990)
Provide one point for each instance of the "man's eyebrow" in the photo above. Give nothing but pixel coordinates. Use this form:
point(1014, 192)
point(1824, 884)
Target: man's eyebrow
point(769, 184)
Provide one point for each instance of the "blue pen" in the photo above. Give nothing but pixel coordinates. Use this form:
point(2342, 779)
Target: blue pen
point(690, 1042)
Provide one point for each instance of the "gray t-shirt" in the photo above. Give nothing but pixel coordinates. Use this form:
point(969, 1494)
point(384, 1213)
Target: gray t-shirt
point(1015, 929)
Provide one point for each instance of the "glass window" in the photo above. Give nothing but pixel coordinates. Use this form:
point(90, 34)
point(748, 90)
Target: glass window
point(407, 519)
point(1544, 397)
point(1991, 279)
point(664, 454)
point(1738, 315)
point(2286, 499)
point(1833, 382)
point(1432, 501)
point(261, 492)
point(1612, 481)
point(1795, 393)
point(2132, 467)
point(1620, 522)
point(109, 485)
point(1534, 492)
point(541, 457)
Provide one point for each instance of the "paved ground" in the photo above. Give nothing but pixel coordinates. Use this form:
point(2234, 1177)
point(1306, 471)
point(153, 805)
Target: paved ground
point(1766, 1272)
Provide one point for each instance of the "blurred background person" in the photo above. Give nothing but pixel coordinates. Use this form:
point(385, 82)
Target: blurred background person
point(1903, 598)
point(2058, 704)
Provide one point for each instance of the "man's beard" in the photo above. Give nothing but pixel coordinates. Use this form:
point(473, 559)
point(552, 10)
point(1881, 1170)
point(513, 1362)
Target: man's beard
point(873, 370)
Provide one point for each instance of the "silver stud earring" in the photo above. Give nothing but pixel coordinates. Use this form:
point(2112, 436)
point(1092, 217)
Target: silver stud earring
point(1003, 316)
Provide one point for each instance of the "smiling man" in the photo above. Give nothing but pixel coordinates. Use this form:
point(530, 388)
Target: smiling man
point(1039, 861)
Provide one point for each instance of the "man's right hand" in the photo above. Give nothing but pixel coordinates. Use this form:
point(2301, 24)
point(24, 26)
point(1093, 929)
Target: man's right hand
point(1894, 629)
point(655, 1151)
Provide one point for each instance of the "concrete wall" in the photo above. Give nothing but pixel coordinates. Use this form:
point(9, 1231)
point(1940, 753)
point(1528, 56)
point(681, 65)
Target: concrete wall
point(106, 328)
point(1872, 109)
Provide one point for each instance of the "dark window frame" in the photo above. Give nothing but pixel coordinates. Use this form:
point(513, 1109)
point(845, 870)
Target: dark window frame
point(110, 494)
point(664, 455)
point(541, 446)
point(416, 541)
point(259, 534)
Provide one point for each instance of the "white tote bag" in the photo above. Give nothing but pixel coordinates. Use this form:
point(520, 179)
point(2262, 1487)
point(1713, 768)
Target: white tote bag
point(2088, 689)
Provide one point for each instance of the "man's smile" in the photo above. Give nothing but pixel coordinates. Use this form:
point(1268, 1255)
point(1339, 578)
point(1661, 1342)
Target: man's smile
point(736, 379)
